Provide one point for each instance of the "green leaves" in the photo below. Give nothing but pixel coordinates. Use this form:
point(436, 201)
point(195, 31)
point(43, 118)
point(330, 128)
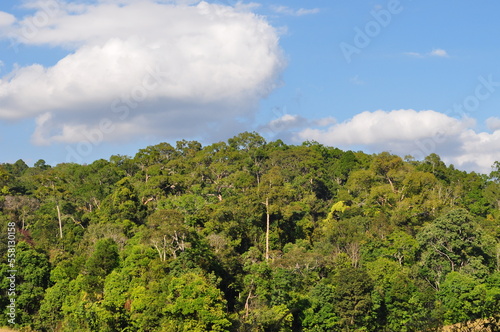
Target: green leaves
point(249, 235)
point(449, 244)
point(102, 261)
point(321, 315)
point(352, 297)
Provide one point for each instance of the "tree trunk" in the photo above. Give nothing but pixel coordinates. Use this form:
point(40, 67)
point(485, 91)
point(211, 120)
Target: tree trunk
point(392, 185)
point(60, 222)
point(267, 228)
point(247, 303)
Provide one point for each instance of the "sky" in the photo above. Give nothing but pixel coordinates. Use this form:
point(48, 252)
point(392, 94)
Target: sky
point(84, 80)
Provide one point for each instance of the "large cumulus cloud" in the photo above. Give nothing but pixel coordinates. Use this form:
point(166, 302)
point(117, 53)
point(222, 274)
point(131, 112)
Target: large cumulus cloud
point(148, 68)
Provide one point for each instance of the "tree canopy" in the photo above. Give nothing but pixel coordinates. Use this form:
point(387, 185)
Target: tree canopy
point(249, 235)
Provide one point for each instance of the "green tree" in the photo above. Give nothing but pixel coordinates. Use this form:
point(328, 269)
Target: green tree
point(50, 314)
point(168, 233)
point(51, 187)
point(452, 242)
point(102, 261)
point(122, 205)
point(321, 315)
point(352, 298)
point(31, 279)
point(195, 304)
point(462, 300)
point(41, 164)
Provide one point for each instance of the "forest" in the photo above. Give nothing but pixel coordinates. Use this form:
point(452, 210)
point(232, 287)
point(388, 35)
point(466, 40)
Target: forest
point(249, 235)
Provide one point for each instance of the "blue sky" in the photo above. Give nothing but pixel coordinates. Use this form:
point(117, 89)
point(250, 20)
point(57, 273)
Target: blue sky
point(84, 80)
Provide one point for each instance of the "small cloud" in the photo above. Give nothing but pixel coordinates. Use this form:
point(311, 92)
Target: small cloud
point(356, 80)
point(294, 12)
point(283, 123)
point(303, 11)
point(439, 52)
point(414, 54)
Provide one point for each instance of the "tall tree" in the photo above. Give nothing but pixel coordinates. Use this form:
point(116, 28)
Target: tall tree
point(451, 243)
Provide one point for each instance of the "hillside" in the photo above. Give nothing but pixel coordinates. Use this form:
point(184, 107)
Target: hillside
point(249, 235)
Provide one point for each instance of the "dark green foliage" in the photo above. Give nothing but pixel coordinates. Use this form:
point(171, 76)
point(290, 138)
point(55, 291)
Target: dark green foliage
point(102, 261)
point(453, 242)
point(352, 298)
point(247, 235)
point(321, 314)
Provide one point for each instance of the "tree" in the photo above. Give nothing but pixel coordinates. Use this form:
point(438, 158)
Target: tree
point(352, 298)
point(168, 233)
point(5, 178)
point(344, 166)
point(102, 261)
point(495, 173)
point(389, 167)
point(154, 155)
point(114, 309)
point(189, 302)
point(403, 247)
point(122, 204)
point(462, 300)
point(321, 316)
point(22, 207)
point(51, 187)
point(50, 314)
point(195, 304)
point(31, 279)
point(17, 169)
point(433, 164)
point(450, 243)
point(41, 164)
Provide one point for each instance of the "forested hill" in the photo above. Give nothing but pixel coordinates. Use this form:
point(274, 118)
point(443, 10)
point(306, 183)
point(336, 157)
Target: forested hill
point(248, 235)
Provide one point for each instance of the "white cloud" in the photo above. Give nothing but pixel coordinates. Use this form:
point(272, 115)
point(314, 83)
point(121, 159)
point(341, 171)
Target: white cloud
point(287, 119)
point(284, 123)
point(303, 11)
point(294, 12)
point(417, 133)
point(382, 127)
point(151, 68)
point(438, 52)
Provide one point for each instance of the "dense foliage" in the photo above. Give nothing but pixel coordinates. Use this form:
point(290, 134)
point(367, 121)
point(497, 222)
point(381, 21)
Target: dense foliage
point(248, 235)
